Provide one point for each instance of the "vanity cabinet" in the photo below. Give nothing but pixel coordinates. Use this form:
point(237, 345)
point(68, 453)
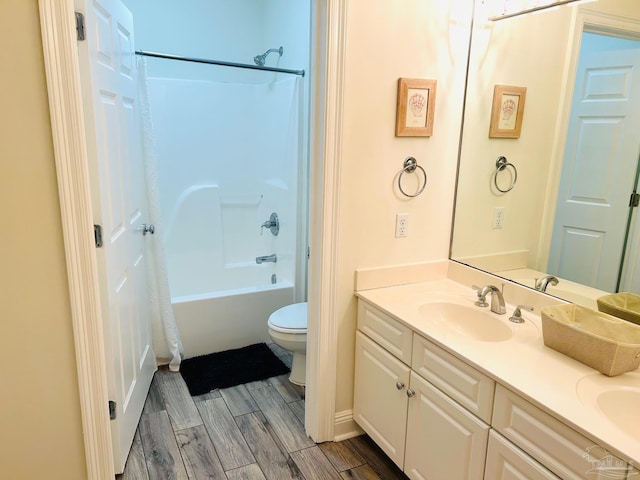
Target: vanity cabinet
point(557, 446)
point(437, 417)
point(411, 419)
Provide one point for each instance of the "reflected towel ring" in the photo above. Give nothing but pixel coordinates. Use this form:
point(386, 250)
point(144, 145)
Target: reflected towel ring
point(409, 166)
point(503, 164)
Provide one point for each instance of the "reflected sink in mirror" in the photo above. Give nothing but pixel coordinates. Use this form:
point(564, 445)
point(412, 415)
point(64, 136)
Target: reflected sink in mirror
point(617, 399)
point(476, 323)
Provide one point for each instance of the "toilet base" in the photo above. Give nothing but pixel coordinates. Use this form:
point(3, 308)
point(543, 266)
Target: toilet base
point(298, 369)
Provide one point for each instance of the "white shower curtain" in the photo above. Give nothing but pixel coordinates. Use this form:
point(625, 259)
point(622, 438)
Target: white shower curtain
point(166, 337)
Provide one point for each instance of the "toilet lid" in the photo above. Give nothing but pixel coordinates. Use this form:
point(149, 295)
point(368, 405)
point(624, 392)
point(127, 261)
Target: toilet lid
point(292, 318)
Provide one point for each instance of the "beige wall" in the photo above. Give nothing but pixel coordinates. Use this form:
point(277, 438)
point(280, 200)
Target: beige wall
point(39, 407)
point(387, 39)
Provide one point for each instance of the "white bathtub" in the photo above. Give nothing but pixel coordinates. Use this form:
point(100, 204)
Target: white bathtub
point(221, 297)
point(228, 319)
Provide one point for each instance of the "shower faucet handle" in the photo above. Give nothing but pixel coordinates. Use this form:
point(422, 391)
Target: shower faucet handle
point(272, 224)
point(148, 229)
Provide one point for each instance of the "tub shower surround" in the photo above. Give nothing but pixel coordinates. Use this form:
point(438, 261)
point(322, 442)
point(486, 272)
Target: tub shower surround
point(229, 156)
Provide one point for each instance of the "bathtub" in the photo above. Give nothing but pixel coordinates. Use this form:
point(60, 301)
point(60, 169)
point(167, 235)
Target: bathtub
point(228, 319)
point(221, 297)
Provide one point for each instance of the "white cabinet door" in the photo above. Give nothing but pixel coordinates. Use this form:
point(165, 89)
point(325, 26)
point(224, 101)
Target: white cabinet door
point(444, 440)
point(380, 397)
point(505, 461)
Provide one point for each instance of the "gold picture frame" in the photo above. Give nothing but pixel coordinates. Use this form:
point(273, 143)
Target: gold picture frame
point(507, 111)
point(415, 107)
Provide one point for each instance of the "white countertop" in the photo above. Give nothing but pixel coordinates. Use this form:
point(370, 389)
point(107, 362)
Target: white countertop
point(559, 385)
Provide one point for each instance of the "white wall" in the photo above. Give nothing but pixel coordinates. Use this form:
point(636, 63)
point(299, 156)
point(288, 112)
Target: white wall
point(387, 40)
point(234, 31)
point(226, 139)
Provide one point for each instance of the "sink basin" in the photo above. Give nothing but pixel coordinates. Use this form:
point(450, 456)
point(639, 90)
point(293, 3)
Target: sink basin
point(471, 321)
point(618, 402)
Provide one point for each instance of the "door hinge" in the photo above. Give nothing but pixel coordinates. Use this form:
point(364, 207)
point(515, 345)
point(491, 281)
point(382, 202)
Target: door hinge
point(634, 200)
point(112, 410)
point(97, 235)
point(80, 26)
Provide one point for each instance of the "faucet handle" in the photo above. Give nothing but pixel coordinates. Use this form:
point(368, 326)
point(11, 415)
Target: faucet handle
point(481, 302)
point(517, 314)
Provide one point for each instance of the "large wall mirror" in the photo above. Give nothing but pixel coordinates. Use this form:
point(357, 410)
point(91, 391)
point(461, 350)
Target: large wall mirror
point(560, 211)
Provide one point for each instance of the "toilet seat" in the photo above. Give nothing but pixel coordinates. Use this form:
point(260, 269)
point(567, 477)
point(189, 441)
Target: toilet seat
point(289, 319)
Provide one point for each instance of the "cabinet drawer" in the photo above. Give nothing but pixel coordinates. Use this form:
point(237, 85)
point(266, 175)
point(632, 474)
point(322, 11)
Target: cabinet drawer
point(505, 460)
point(392, 335)
point(470, 388)
point(561, 449)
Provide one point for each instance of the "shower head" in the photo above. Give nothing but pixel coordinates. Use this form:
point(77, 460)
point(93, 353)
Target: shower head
point(260, 59)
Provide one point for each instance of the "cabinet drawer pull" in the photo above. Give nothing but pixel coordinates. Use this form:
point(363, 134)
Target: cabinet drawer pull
point(410, 393)
point(399, 385)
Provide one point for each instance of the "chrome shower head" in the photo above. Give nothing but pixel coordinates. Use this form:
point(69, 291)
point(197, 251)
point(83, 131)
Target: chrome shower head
point(260, 59)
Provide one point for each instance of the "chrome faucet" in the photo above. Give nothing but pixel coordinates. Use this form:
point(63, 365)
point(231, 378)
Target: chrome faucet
point(542, 283)
point(497, 300)
point(273, 224)
point(267, 258)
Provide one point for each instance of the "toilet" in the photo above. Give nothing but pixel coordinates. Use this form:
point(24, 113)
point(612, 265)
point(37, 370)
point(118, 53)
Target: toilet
point(288, 329)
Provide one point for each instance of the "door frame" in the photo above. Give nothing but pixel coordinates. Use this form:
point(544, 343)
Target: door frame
point(70, 151)
point(585, 20)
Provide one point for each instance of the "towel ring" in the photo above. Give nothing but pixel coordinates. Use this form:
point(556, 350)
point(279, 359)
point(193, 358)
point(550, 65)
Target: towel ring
point(409, 166)
point(503, 164)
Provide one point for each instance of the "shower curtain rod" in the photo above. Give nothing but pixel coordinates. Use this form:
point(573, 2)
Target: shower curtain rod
point(217, 62)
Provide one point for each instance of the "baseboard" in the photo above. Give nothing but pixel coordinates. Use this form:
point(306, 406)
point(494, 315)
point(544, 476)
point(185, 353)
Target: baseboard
point(345, 427)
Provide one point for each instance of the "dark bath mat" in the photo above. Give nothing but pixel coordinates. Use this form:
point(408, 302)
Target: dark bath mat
point(231, 367)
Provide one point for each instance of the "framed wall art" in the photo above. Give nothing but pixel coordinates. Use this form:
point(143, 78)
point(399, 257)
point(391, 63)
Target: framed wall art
point(507, 111)
point(415, 107)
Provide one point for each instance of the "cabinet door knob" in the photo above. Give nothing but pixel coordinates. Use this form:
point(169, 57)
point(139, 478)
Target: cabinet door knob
point(399, 385)
point(410, 393)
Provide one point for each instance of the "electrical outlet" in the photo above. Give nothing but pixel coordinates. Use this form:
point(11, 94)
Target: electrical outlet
point(402, 224)
point(498, 217)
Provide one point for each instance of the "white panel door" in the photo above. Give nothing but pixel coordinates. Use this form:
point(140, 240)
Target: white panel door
point(119, 196)
point(599, 168)
point(380, 397)
point(444, 440)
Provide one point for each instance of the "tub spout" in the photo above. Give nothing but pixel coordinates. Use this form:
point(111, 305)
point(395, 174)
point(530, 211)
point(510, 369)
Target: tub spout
point(267, 258)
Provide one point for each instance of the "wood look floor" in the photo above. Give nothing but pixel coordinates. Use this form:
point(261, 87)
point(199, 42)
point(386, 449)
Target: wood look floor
point(247, 432)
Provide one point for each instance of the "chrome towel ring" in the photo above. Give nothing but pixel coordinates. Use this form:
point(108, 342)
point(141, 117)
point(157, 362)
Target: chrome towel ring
point(410, 165)
point(502, 164)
